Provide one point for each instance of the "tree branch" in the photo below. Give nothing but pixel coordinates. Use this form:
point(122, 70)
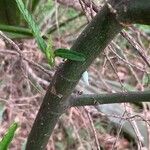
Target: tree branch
point(127, 12)
point(132, 11)
point(93, 40)
point(98, 99)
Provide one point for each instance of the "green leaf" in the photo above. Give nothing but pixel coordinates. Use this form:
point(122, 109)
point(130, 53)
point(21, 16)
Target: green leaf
point(32, 24)
point(6, 140)
point(69, 54)
point(16, 30)
point(35, 29)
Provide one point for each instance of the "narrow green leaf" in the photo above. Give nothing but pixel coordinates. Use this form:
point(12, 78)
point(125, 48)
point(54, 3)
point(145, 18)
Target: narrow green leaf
point(69, 54)
point(32, 24)
point(6, 140)
point(16, 30)
point(35, 29)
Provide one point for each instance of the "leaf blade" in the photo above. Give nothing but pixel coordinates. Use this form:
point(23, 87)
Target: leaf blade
point(35, 29)
point(8, 137)
point(69, 54)
point(32, 24)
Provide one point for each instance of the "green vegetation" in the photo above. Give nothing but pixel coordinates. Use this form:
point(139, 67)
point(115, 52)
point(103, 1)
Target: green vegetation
point(8, 137)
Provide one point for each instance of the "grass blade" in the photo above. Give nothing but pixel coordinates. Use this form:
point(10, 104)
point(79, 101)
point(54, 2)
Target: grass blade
point(35, 29)
point(8, 137)
point(16, 30)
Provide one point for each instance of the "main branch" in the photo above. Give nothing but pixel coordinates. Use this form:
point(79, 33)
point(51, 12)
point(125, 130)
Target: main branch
point(93, 40)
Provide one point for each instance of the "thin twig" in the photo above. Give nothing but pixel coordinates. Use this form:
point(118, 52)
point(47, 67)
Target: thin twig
point(107, 57)
point(8, 40)
point(16, 47)
point(93, 128)
point(118, 133)
point(138, 48)
point(127, 61)
point(123, 59)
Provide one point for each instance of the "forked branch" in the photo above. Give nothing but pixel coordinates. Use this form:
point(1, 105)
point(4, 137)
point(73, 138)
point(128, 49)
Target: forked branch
point(92, 41)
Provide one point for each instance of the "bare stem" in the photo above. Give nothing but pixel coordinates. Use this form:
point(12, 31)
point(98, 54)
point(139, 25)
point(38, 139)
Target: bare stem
point(98, 99)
